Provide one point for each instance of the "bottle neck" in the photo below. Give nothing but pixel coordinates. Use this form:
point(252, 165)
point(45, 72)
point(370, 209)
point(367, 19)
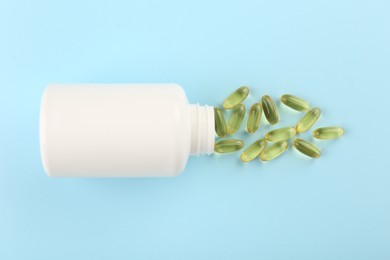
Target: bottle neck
point(202, 129)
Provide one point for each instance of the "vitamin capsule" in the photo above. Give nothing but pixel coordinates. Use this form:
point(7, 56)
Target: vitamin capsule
point(270, 111)
point(228, 146)
point(307, 148)
point(295, 103)
point(254, 118)
point(274, 151)
point(281, 134)
point(308, 120)
point(331, 132)
point(235, 98)
point(253, 150)
point(220, 122)
point(236, 118)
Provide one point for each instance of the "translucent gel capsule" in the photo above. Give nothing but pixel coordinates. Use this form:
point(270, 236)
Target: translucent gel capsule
point(308, 120)
point(274, 151)
point(236, 118)
point(326, 133)
point(220, 122)
point(228, 146)
point(235, 98)
point(253, 150)
point(270, 111)
point(281, 134)
point(307, 148)
point(295, 103)
point(254, 118)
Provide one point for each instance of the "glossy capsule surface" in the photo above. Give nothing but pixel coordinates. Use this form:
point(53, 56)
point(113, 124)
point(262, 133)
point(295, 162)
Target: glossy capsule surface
point(236, 97)
point(236, 118)
point(307, 148)
point(254, 118)
point(274, 151)
point(270, 111)
point(327, 133)
point(228, 146)
point(220, 122)
point(308, 120)
point(253, 150)
point(281, 134)
point(295, 103)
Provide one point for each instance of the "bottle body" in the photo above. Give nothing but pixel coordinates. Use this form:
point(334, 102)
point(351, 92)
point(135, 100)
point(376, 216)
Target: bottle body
point(121, 130)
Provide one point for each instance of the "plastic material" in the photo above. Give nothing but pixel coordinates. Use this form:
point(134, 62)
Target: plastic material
point(121, 130)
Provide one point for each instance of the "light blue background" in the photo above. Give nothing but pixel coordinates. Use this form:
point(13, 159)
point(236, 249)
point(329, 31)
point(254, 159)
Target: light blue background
point(333, 53)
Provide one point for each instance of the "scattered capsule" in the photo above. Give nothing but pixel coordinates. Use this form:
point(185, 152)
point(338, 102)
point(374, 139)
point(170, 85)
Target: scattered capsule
point(308, 120)
point(274, 151)
point(270, 111)
point(235, 98)
point(220, 122)
point(253, 150)
point(326, 133)
point(228, 146)
point(307, 148)
point(295, 103)
point(281, 134)
point(236, 118)
point(254, 118)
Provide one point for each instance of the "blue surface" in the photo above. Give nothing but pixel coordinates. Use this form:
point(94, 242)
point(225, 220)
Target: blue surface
point(334, 53)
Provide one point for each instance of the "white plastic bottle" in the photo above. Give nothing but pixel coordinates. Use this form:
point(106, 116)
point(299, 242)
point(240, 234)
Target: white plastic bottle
point(121, 130)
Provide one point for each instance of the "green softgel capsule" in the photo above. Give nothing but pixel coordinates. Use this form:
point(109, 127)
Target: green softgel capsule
point(238, 114)
point(220, 122)
point(326, 133)
point(254, 118)
point(235, 98)
point(270, 111)
point(253, 150)
point(308, 120)
point(307, 148)
point(228, 146)
point(281, 134)
point(274, 151)
point(295, 103)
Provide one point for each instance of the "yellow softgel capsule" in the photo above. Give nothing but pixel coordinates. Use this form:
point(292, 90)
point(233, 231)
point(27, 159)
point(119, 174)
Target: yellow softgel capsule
point(281, 134)
point(295, 103)
point(274, 151)
point(238, 114)
point(228, 146)
point(270, 111)
point(308, 120)
point(254, 118)
point(253, 150)
point(307, 148)
point(220, 122)
point(236, 97)
point(327, 133)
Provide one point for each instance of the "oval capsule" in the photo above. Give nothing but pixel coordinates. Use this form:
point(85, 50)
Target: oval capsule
point(238, 114)
point(295, 103)
point(281, 134)
point(236, 97)
point(308, 120)
point(274, 151)
point(307, 148)
point(327, 133)
point(228, 146)
point(253, 150)
point(270, 111)
point(220, 122)
point(254, 118)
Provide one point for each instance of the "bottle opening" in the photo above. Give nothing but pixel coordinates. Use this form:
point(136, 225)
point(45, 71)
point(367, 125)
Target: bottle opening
point(202, 129)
